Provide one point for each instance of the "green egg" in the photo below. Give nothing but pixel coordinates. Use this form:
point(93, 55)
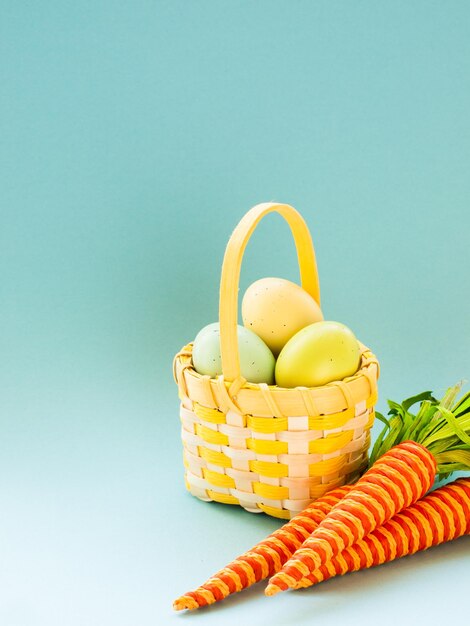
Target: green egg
point(214, 327)
point(256, 359)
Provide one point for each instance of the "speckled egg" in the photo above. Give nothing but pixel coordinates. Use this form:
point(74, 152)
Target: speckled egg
point(256, 359)
point(317, 355)
point(276, 309)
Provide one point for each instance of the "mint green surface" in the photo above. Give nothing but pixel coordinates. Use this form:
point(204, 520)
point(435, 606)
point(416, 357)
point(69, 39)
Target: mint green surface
point(134, 135)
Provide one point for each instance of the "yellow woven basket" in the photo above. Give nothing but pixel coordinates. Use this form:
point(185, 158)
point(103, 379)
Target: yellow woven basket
point(264, 447)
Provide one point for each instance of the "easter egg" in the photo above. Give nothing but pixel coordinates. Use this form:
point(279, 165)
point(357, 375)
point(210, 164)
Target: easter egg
point(317, 355)
point(276, 309)
point(214, 327)
point(256, 359)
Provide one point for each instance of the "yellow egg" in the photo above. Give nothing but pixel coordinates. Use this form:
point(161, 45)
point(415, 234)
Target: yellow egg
point(317, 355)
point(275, 309)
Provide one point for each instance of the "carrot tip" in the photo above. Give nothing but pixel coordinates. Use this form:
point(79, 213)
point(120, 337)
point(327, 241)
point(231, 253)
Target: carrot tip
point(271, 590)
point(185, 603)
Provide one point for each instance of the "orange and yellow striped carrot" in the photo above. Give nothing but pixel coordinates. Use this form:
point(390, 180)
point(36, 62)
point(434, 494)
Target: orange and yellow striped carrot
point(399, 478)
point(441, 516)
point(264, 559)
point(396, 480)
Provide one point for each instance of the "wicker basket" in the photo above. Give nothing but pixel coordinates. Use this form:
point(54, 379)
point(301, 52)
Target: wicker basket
point(263, 447)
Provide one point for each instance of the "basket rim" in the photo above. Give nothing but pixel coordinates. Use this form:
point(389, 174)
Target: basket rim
point(368, 358)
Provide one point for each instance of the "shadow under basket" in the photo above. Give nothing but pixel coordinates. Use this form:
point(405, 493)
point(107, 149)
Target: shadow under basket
point(264, 447)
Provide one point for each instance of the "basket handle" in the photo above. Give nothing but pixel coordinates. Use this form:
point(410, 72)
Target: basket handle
point(229, 282)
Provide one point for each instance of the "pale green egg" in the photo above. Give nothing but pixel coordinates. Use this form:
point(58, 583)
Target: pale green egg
point(256, 359)
point(214, 327)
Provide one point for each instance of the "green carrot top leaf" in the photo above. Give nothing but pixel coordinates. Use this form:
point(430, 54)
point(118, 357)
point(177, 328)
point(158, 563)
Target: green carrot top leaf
point(442, 426)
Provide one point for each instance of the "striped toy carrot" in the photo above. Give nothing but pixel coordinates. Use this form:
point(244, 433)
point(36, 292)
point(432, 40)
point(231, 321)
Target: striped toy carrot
point(264, 559)
point(406, 457)
point(440, 516)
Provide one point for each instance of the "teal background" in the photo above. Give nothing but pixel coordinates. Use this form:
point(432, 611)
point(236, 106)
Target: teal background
point(134, 135)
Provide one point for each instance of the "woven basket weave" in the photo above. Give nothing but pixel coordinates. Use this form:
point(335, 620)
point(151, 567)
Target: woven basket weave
point(264, 447)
